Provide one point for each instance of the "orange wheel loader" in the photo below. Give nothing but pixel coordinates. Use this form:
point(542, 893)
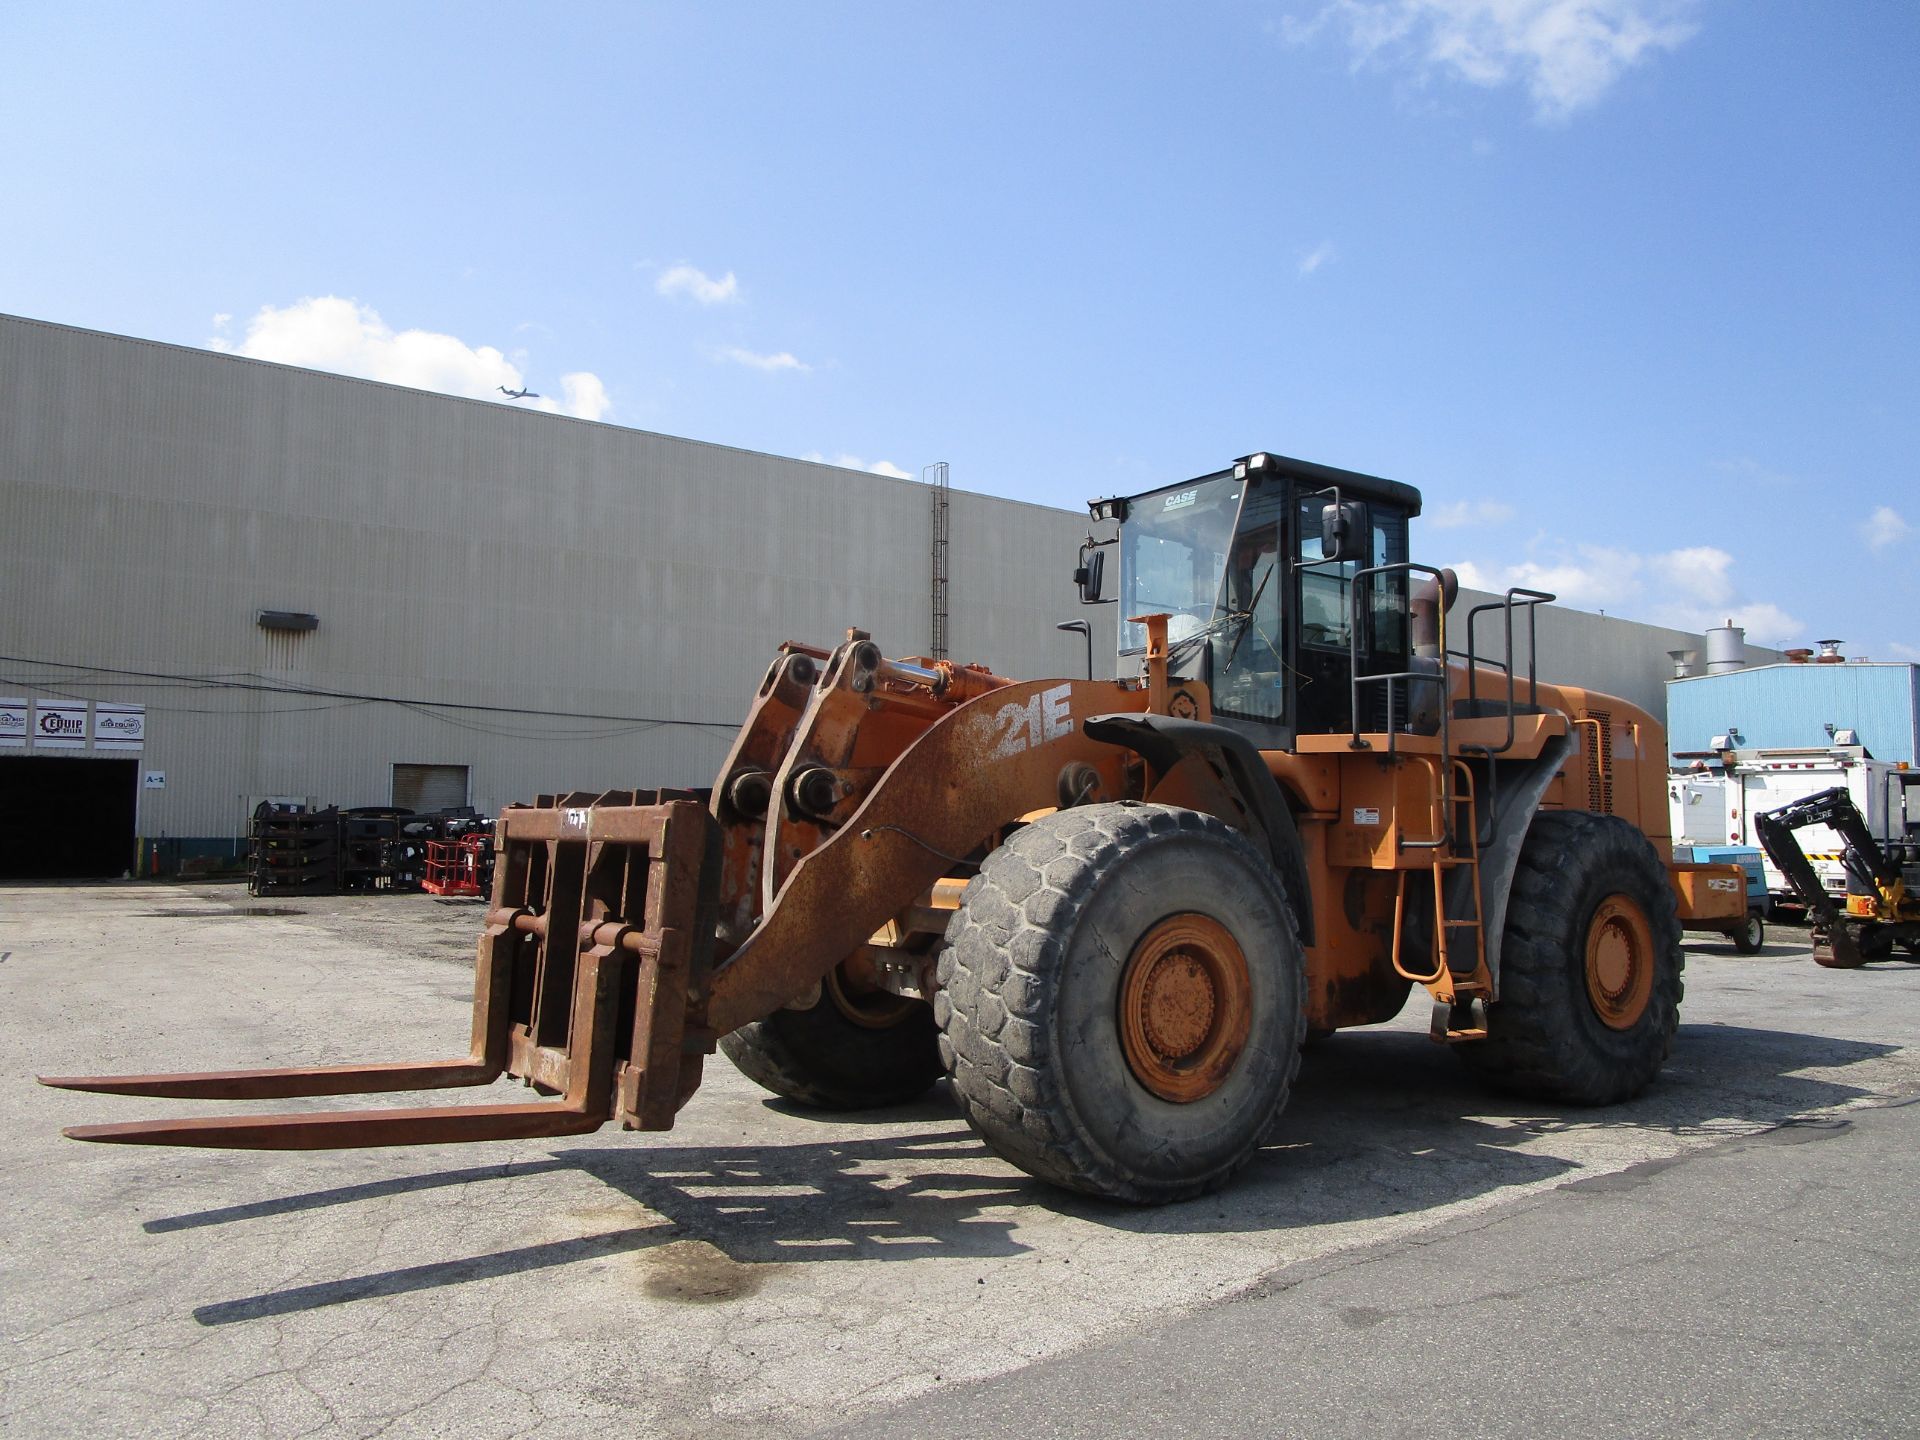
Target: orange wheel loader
point(1110, 912)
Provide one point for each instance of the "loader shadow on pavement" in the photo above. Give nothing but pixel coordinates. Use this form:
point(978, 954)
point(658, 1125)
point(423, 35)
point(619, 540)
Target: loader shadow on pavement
point(1715, 1073)
point(346, 1195)
point(1388, 1123)
point(887, 1198)
point(1382, 1123)
point(426, 1277)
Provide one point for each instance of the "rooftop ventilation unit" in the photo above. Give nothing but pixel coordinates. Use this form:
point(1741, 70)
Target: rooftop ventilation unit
point(1726, 648)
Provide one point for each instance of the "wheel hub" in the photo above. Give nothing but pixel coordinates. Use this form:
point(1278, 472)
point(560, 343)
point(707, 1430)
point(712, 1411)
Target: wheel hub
point(1176, 1006)
point(854, 987)
point(1619, 962)
point(1186, 1006)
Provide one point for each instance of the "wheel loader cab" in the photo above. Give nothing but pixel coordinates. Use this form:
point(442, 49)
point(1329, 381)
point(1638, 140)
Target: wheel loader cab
point(1256, 566)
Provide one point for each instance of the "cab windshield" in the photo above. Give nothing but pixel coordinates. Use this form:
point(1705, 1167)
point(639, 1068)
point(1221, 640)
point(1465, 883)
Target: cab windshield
point(1173, 554)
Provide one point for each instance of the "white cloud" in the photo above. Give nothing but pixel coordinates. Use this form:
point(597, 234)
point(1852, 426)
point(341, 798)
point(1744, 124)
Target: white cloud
point(1884, 529)
point(1315, 258)
point(697, 285)
point(854, 462)
point(1696, 574)
point(586, 396)
point(1454, 514)
point(1568, 53)
point(753, 360)
point(328, 332)
point(1692, 588)
point(1902, 651)
point(1475, 577)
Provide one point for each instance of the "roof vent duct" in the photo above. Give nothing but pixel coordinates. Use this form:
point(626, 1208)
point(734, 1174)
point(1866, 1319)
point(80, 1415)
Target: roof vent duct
point(1726, 648)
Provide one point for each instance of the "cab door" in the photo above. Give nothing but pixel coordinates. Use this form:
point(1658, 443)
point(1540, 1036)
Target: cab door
point(1326, 614)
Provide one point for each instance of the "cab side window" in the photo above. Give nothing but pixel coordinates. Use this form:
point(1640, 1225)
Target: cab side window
point(1326, 587)
point(1388, 601)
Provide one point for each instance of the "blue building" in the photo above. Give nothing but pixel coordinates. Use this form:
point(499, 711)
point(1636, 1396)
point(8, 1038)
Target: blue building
point(1774, 706)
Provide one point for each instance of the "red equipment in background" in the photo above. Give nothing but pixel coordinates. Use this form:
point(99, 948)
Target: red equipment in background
point(459, 867)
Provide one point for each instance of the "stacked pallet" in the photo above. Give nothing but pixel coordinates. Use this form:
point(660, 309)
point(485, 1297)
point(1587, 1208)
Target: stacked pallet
point(293, 850)
point(363, 851)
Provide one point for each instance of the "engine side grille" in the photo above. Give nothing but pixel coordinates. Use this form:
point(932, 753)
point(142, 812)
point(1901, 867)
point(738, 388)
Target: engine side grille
point(1599, 727)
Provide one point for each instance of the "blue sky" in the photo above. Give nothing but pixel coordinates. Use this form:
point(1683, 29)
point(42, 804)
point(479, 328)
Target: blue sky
point(1628, 288)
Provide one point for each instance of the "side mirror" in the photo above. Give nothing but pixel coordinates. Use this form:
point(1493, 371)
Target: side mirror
point(1343, 531)
point(1090, 574)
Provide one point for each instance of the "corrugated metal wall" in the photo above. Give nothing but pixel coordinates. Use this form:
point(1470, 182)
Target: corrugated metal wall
point(1787, 705)
point(615, 593)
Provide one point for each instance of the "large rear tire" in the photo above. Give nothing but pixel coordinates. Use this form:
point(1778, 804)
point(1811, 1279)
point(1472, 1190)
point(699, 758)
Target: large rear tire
point(1122, 1001)
point(1589, 966)
point(843, 1053)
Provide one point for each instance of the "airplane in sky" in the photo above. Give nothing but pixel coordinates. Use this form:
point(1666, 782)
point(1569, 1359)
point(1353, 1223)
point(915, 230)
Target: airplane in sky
point(517, 394)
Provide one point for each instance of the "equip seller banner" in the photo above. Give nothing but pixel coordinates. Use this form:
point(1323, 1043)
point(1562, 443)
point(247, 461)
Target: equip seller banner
point(119, 727)
point(59, 724)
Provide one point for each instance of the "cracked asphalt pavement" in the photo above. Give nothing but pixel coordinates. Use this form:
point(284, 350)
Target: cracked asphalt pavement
point(1733, 1253)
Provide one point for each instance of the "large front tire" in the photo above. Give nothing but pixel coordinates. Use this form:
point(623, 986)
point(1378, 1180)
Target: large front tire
point(1589, 966)
point(1122, 1001)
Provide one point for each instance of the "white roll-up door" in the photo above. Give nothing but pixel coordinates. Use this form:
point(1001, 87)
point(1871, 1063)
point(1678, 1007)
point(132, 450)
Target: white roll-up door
point(429, 787)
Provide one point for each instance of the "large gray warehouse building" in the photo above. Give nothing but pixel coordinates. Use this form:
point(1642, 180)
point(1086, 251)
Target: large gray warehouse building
point(503, 602)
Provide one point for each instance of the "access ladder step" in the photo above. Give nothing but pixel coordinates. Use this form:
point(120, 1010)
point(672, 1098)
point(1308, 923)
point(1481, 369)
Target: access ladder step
point(1462, 1019)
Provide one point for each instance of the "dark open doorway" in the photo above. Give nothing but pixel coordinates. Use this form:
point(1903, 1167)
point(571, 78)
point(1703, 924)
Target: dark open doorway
point(66, 819)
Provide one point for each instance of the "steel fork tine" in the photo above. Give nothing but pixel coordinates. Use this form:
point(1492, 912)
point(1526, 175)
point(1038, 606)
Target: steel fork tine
point(285, 1084)
point(351, 1129)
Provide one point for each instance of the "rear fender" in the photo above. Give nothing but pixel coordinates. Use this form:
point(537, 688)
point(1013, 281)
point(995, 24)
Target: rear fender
point(1522, 783)
point(1209, 767)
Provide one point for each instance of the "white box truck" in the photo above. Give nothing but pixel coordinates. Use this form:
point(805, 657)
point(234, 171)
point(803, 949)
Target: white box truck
point(1714, 803)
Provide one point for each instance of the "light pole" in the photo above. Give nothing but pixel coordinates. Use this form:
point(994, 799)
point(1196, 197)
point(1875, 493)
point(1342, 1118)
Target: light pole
point(1085, 629)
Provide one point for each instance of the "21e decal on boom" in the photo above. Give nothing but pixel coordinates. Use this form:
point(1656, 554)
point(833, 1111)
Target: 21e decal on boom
point(1040, 718)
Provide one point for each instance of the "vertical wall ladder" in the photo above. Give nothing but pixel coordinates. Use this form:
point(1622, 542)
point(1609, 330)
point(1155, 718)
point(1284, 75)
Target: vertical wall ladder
point(936, 477)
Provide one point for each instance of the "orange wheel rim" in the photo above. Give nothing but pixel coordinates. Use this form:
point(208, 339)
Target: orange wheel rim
point(1619, 962)
point(1186, 1006)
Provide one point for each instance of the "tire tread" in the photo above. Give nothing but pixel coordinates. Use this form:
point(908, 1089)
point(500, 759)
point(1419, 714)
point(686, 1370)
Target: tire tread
point(1004, 950)
point(808, 1058)
point(1540, 1042)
